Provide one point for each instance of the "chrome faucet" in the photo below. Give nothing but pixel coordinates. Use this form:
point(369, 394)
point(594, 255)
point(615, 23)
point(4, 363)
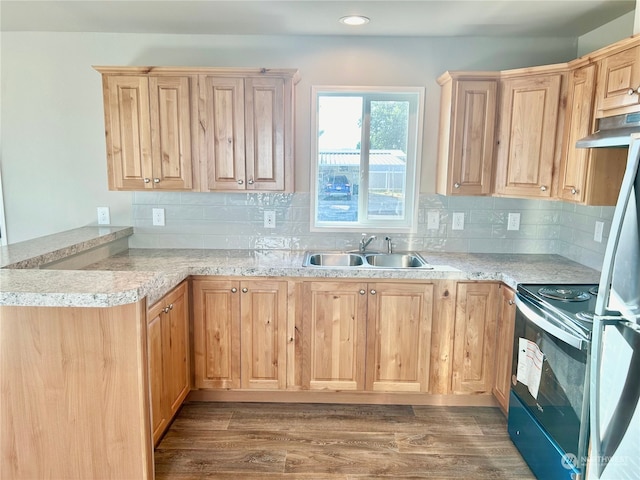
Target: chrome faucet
point(364, 242)
point(389, 246)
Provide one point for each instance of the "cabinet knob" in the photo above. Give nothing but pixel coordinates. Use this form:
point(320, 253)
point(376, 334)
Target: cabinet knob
point(510, 302)
point(171, 306)
point(234, 290)
point(245, 290)
point(543, 188)
point(574, 191)
point(250, 182)
point(165, 309)
point(362, 292)
point(240, 182)
point(156, 180)
point(372, 292)
point(456, 185)
point(631, 91)
point(147, 180)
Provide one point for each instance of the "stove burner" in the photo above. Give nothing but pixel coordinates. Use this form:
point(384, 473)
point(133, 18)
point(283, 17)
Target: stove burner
point(564, 294)
point(593, 291)
point(585, 316)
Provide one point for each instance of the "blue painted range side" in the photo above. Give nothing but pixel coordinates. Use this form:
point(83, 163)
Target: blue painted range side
point(543, 455)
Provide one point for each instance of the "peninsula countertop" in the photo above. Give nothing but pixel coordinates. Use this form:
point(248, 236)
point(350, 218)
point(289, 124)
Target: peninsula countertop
point(133, 274)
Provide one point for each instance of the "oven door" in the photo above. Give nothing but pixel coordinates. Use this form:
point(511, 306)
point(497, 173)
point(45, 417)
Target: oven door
point(562, 400)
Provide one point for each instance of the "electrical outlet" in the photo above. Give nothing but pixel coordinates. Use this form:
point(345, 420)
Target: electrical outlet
point(158, 217)
point(103, 216)
point(433, 220)
point(514, 221)
point(597, 236)
point(269, 219)
point(457, 222)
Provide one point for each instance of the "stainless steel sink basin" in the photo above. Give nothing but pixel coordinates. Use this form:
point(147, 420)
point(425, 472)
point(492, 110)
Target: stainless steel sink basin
point(395, 260)
point(334, 260)
point(366, 260)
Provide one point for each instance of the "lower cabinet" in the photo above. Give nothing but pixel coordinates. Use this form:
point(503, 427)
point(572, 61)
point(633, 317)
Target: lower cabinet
point(474, 338)
point(168, 349)
point(504, 347)
point(366, 336)
point(239, 333)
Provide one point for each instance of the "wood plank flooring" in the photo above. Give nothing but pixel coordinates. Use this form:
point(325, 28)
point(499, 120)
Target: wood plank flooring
point(267, 441)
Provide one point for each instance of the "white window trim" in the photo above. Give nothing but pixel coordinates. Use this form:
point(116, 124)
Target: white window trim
point(411, 203)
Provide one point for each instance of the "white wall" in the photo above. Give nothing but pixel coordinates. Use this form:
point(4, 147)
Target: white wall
point(607, 34)
point(53, 152)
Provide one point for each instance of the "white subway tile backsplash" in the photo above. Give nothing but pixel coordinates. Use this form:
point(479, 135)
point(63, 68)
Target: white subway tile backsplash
point(235, 220)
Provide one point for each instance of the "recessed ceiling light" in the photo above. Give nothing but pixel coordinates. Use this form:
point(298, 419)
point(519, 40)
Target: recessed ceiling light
point(354, 20)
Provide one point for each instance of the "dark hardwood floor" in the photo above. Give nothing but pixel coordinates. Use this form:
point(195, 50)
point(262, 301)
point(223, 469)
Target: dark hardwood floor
point(326, 441)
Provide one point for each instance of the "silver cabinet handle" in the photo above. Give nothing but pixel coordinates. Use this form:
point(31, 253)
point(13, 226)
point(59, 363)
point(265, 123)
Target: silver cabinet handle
point(234, 290)
point(631, 91)
point(245, 290)
point(456, 185)
point(240, 182)
point(372, 292)
point(574, 191)
point(543, 188)
point(362, 292)
point(156, 180)
point(511, 302)
point(250, 182)
point(146, 180)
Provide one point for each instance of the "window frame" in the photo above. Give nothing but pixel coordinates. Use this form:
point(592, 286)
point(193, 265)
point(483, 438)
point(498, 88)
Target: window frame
point(413, 164)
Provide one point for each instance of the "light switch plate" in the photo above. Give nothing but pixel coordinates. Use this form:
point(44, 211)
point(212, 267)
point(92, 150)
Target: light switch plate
point(597, 235)
point(514, 221)
point(457, 222)
point(433, 220)
point(269, 219)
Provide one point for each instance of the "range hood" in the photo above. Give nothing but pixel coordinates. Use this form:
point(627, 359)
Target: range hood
point(612, 132)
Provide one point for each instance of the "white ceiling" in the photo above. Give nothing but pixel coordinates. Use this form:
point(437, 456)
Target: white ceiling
point(570, 18)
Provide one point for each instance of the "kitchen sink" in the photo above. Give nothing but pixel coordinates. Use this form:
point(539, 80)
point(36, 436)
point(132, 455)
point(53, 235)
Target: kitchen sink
point(333, 260)
point(395, 260)
point(365, 260)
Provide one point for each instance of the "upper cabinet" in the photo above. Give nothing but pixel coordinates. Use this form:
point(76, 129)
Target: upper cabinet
point(247, 132)
point(200, 129)
point(527, 147)
point(467, 132)
point(149, 123)
point(587, 176)
point(619, 82)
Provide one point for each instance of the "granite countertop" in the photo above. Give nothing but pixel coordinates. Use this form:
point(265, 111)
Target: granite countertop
point(134, 274)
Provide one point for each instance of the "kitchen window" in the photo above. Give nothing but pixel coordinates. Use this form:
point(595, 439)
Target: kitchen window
point(366, 150)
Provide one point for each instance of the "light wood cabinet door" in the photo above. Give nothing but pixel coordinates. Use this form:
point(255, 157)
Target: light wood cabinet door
point(168, 350)
point(590, 176)
point(148, 124)
point(159, 418)
point(399, 337)
point(171, 118)
point(268, 130)
point(474, 337)
point(128, 132)
point(222, 126)
point(619, 83)
point(574, 162)
point(527, 131)
point(263, 308)
point(216, 333)
point(504, 347)
point(333, 329)
point(467, 136)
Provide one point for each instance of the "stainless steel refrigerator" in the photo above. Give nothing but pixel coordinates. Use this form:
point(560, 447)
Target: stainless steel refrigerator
point(615, 357)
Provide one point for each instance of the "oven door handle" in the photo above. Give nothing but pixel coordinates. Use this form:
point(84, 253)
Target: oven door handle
point(549, 327)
